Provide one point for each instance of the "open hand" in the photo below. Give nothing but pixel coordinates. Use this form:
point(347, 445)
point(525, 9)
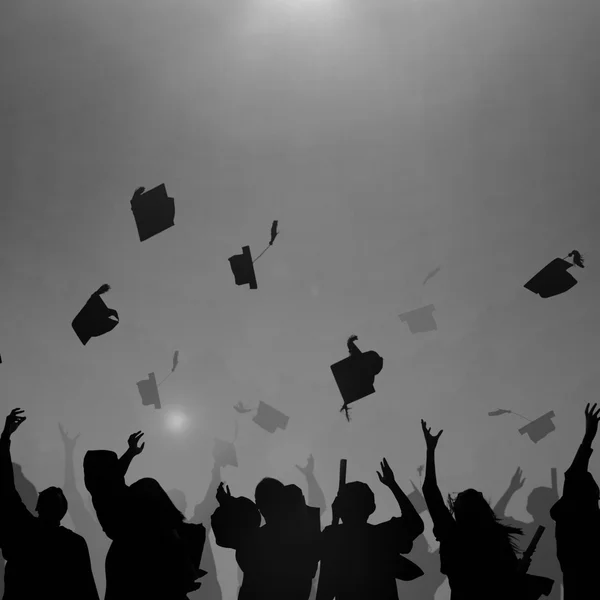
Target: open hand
point(223, 493)
point(13, 421)
point(310, 467)
point(133, 443)
point(69, 442)
point(517, 481)
point(430, 440)
point(387, 475)
point(591, 421)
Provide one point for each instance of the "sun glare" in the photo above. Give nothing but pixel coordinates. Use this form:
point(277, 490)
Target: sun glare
point(176, 420)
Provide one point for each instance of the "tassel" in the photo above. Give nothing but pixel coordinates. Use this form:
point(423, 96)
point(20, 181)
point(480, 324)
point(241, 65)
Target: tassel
point(352, 346)
point(577, 258)
point(102, 290)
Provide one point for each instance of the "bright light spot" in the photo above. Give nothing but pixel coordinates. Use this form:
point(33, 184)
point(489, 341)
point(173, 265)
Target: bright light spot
point(176, 420)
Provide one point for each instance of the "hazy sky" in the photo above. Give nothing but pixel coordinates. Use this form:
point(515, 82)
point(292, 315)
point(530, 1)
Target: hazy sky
point(388, 137)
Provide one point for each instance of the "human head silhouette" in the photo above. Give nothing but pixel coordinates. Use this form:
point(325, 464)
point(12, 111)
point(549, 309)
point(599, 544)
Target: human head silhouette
point(540, 501)
point(267, 497)
point(469, 507)
point(101, 468)
point(152, 503)
point(51, 505)
point(177, 497)
point(355, 503)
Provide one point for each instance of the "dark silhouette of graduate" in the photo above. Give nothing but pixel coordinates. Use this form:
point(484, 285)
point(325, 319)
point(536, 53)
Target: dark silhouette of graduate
point(539, 502)
point(29, 496)
point(360, 560)
point(577, 519)
point(279, 559)
point(154, 553)
point(84, 522)
point(425, 587)
point(477, 552)
point(44, 559)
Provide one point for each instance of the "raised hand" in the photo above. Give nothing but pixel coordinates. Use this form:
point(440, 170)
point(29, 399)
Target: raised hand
point(430, 440)
point(517, 481)
point(223, 493)
point(133, 443)
point(13, 421)
point(387, 475)
point(68, 442)
point(309, 469)
point(591, 421)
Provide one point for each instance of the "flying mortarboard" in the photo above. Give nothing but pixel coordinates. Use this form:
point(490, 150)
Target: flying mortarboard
point(270, 418)
point(224, 453)
point(420, 320)
point(153, 211)
point(554, 278)
point(355, 375)
point(149, 391)
point(537, 430)
point(243, 268)
point(417, 500)
point(95, 318)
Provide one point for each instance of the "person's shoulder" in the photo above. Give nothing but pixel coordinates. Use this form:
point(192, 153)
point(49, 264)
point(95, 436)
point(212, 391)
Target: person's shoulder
point(70, 536)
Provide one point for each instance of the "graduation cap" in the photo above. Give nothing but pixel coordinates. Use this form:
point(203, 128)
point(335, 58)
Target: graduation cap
point(243, 268)
point(95, 318)
point(554, 278)
point(270, 418)
point(417, 500)
point(537, 430)
point(153, 211)
point(355, 375)
point(149, 391)
point(224, 453)
point(242, 265)
point(420, 320)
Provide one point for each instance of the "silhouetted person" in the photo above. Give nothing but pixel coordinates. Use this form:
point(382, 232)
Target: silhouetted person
point(210, 589)
point(279, 559)
point(477, 552)
point(360, 560)
point(29, 496)
point(577, 518)
point(44, 559)
point(154, 553)
point(539, 502)
point(316, 498)
point(84, 522)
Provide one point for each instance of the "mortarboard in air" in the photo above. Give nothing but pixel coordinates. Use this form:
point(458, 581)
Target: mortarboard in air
point(153, 211)
point(420, 320)
point(224, 453)
point(554, 278)
point(95, 318)
point(270, 418)
point(537, 430)
point(417, 500)
point(149, 391)
point(243, 268)
point(355, 375)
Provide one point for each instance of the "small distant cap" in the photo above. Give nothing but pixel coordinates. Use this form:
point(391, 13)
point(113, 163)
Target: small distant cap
point(95, 318)
point(153, 211)
point(420, 320)
point(243, 269)
point(554, 278)
point(149, 391)
point(269, 418)
point(417, 500)
point(224, 453)
point(537, 430)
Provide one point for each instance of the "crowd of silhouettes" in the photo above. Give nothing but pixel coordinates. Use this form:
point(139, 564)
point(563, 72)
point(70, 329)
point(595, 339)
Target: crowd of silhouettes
point(134, 541)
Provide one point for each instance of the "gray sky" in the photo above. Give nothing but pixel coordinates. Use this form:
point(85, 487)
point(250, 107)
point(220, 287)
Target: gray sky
point(388, 137)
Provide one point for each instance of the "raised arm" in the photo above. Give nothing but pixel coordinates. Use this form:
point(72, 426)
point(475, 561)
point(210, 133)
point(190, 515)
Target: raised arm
point(516, 483)
point(133, 450)
point(440, 514)
point(14, 511)
point(209, 504)
point(316, 497)
point(411, 519)
point(580, 463)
